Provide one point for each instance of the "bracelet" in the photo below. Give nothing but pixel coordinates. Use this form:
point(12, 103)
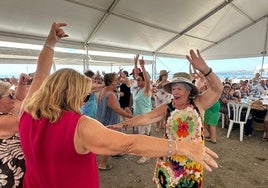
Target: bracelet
point(210, 70)
point(169, 148)
point(49, 47)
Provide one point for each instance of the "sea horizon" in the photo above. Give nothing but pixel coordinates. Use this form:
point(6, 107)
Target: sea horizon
point(232, 75)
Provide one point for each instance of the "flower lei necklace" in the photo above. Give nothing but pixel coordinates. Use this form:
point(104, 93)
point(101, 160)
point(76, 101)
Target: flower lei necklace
point(183, 124)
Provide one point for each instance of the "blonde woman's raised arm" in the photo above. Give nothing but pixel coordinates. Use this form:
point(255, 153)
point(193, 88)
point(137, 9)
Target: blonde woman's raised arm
point(45, 58)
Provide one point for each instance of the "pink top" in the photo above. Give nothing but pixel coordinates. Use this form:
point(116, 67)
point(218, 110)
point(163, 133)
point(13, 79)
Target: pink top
point(51, 159)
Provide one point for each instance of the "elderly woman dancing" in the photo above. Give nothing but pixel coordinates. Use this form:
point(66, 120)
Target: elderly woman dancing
point(184, 116)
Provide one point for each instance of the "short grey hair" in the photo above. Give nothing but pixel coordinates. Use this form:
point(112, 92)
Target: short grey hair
point(187, 86)
point(4, 86)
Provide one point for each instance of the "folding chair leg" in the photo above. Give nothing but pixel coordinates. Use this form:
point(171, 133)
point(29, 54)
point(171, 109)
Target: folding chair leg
point(222, 121)
point(241, 131)
point(229, 129)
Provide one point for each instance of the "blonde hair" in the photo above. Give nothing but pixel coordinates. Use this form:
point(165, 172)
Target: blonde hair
point(4, 86)
point(64, 90)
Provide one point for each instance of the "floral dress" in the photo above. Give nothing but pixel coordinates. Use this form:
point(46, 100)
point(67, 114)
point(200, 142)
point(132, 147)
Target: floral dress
point(162, 97)
point(179, 171)
point(12, 166)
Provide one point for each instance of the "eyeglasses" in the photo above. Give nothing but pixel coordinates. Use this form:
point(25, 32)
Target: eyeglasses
point(139, 79)
point(10, 95)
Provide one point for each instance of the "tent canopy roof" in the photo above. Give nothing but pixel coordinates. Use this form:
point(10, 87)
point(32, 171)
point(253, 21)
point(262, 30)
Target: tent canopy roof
point(219, 28)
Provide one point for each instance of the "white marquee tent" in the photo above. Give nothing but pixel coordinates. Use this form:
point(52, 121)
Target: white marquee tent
point(158, 28)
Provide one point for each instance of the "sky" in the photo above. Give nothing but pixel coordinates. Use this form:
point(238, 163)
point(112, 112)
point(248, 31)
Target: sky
point(171, 65)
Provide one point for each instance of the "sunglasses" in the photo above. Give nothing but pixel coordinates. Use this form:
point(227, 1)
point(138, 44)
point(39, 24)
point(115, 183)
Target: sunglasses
point(10, 95)
point(139, 79)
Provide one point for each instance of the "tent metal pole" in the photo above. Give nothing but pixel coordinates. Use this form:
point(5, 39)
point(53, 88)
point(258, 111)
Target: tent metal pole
point(264, 48)
point(154, 68)
point(84, 65)
point(86, 62)
point(54, 66)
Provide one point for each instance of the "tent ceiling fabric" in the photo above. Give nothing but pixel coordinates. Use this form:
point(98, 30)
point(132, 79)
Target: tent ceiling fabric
point(219, 28)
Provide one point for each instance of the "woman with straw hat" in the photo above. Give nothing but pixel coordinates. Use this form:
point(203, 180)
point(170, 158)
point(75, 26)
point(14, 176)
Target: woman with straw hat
point(184, 122)
point(161, 96)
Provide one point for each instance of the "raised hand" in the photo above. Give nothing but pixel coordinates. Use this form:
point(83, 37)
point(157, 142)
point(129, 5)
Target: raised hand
point(136, 58)
point(197, 61)
point(14, 81)
point(56, 33)
point(24, 78)
point(142, 62)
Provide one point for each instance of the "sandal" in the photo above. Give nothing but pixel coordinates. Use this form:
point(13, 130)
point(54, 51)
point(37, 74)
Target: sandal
point(107, 167)
point(264, 139)
point(211, 141)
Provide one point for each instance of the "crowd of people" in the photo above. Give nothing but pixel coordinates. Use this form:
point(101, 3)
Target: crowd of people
point(242, 91)
point(53, 126)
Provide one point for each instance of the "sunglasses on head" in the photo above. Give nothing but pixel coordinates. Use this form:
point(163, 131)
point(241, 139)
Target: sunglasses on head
point(10, 95)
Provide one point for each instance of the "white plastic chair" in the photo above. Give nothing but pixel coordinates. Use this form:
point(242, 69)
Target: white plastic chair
point(236, 108)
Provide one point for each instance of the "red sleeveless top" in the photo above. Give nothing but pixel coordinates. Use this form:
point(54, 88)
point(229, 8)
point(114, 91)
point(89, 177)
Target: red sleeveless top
point(51, 159)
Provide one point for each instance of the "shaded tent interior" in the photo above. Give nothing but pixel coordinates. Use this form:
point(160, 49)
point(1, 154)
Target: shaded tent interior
point(219, 28)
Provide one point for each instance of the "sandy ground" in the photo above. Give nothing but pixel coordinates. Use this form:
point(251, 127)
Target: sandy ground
point(241, 164)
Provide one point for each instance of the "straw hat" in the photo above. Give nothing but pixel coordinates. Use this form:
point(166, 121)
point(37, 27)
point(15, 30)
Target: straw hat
point(257, 105)
point(182, 77)
point(163, 72)
point(227, 86)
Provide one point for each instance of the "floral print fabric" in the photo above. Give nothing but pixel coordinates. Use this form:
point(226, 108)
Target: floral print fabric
point(12, 166)
point(161, 97)
point(179, 171)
